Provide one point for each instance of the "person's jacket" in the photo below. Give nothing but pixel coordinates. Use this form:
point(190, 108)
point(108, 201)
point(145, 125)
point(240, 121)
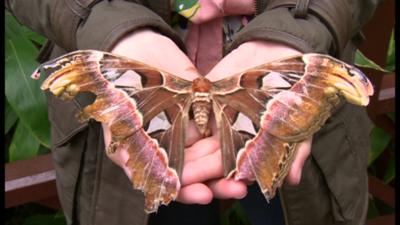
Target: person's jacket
point(92, 190)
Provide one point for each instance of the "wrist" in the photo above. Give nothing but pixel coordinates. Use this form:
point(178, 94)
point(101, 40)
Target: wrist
point(138, 39)
point(264, 51)
point(154, 49)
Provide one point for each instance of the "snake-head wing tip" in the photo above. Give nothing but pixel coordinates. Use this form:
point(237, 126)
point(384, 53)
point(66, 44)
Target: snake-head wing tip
point(351, 82)
point(36, 74)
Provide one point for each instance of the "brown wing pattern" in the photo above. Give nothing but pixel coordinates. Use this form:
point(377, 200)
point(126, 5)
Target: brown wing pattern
point(262, 114)
point(99, 73)
point(247, 93)
point(173, 138)
point(309, 89)
point(230, 139)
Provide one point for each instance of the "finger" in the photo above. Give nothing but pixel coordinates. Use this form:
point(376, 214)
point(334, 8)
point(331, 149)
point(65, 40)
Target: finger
point(195, 194)
point(227, 188)
point(120, 158)
point(192, 134)
point(202, 169)
point(202, 148)
point(304, 150)
point(106, 134)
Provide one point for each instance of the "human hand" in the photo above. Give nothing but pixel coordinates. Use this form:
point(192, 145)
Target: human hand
point(203, 171)
point(159, 51)
point(202, 163)
point(251, 54)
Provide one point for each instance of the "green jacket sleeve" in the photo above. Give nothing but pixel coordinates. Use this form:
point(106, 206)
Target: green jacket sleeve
point(87, 24)
point(322, 26)
point(99, 31)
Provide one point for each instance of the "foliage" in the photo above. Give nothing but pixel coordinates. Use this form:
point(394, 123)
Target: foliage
point(25, 105)
point(235, 215)
point(362, 61)
point(45, 219)
point(32, 214)
point(381, 140)
point(27, 129)
point(391, 58)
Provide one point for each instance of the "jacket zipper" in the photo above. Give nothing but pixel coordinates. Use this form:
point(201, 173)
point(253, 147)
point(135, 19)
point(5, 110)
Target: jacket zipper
point(283, 207)
point(255, 6)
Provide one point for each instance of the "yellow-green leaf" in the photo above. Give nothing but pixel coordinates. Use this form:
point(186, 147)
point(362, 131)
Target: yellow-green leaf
point(379, 141)
point(390, 170)
point(391, 58)
point(362, 61)
point(10, 117)
point(22, 92)
point(23, 145)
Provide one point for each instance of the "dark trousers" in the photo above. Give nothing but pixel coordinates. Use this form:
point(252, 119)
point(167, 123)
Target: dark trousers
point(258, 211)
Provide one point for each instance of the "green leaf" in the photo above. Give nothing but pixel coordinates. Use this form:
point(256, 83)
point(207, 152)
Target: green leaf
point(43, 150)
point(23, 145)
point(14, 29)
point(391, 60)
point(392, 116)
point(373, 210)
point(241, 214)
point(22, 92)
point(235, 215)
point(379, 141)
point(59, 213)
point(390, 170)
point(45, 220)
point(36, 37)
point(11, 117)
point(362, 61)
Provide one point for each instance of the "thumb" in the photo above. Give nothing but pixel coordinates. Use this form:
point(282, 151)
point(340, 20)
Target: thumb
point(303, 151)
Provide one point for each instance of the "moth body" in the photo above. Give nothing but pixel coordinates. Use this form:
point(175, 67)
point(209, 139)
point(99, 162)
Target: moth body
point(201, 108)
point(201, 104)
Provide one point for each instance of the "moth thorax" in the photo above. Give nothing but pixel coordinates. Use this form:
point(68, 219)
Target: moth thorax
point(201, 110)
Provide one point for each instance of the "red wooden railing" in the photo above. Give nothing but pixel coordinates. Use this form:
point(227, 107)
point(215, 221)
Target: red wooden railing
point(31, 180)
point(378, 32)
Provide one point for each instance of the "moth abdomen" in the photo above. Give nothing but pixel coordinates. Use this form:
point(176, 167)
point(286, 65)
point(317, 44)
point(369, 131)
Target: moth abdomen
point(201, 108)
point(201, 104)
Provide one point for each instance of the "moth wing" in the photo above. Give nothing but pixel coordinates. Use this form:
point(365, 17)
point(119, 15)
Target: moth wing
point(230, 139)
point(248, 93)
point(173, 138)
point(302, 92)
point(126, 109)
